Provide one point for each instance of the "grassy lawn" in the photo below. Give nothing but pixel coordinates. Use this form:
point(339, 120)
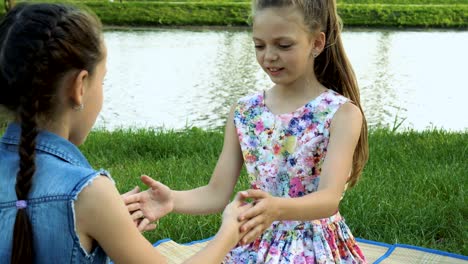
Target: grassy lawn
point(362, 13)
point(413, 190)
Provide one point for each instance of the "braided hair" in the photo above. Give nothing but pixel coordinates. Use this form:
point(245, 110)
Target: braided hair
point(39, 45)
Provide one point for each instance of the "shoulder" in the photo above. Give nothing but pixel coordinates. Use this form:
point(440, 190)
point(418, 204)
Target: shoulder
point(246, 108)
point(348, 116)
point(97, 191)
point(58, 176)
point(96, 198)
point(334, 98)
point(85, 177)
point(336, 107)
point(250, 101)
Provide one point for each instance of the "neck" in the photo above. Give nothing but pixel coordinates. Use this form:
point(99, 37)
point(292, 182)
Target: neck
point(302, 87)
point(59, 129)
point(56, 125)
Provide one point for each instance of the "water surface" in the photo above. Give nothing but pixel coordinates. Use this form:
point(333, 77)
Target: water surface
point(176, 78)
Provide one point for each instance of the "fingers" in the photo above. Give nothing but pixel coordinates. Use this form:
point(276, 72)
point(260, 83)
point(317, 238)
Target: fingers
point(134, 198)
point(150, 182)
point(143, 224)
point(137, 215)
point(243, 195)
point(133, 207)
point(150, 227)
point(255, 210)
point(131, 192)
point(252, 235)
point(252, 223)
point(239, 199)
point(255, 194)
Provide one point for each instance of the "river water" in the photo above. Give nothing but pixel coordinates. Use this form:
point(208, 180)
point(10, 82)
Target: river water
point(176, 78)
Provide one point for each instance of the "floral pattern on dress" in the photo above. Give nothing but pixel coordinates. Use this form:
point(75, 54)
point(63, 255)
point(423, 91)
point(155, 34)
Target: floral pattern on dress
point(283, 155)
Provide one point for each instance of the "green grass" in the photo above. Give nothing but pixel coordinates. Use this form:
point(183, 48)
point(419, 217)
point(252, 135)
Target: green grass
point(404, 2)
point(369, 13)
point(413, 189)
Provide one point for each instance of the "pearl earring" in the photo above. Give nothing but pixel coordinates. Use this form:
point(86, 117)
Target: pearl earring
point(78, 107)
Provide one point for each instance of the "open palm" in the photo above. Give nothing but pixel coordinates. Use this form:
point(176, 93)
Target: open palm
point(155, 202)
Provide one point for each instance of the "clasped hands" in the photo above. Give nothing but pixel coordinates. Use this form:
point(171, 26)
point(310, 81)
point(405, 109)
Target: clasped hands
point(148, 206)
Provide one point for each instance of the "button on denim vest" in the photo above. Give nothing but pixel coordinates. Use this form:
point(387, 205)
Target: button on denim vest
point(61, 173)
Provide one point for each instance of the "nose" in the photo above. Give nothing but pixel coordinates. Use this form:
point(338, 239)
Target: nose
point(270, 54)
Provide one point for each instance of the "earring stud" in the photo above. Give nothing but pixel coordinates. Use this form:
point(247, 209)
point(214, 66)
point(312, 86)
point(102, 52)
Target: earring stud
point(78, 107)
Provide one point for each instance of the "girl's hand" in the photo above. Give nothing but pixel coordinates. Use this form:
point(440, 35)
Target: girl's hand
point(150, 205)
point(129, 193)
point(137, 215)
point(259, 217)
point(231, 223)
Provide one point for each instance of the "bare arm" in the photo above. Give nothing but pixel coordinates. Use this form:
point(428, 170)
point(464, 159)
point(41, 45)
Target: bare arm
point(102, 216)
point(213, 197)
point(160, 200)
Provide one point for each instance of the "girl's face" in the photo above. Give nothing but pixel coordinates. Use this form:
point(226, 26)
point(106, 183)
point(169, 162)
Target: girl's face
point(283, 45)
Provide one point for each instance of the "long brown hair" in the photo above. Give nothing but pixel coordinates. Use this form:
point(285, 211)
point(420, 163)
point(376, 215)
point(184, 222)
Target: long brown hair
point(40, 43)
point(332, 67)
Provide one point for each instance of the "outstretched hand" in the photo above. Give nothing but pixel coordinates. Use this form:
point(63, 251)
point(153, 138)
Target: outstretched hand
point(259, 217)
point(136, 214)
point(131, 192)
point(149, 205)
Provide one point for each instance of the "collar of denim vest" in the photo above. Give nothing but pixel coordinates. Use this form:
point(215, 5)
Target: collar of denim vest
point(50, 143)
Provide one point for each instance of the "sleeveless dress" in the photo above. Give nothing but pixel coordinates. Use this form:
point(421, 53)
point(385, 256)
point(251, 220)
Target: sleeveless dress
point(283, 155)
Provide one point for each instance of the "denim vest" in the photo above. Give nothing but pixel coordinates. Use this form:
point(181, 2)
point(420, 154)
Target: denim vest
point(61, 173)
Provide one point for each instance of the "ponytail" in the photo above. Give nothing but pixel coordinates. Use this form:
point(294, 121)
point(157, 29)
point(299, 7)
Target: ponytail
point(333, 70)
point(332, 67)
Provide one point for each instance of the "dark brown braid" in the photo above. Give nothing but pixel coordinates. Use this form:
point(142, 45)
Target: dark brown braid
point(40, 44)
point(23, 230)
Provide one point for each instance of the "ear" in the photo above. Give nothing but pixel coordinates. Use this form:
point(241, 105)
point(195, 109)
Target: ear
point(78, 87)
point(318, 43)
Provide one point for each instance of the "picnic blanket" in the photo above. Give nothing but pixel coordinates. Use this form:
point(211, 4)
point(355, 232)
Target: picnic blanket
point(375, 252)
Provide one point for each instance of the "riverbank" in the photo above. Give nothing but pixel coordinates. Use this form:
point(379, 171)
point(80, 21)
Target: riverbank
point(413, 189)
point(366, 13)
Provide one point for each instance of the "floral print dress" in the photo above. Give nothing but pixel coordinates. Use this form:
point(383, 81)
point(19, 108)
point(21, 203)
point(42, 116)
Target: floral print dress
point(283, 155)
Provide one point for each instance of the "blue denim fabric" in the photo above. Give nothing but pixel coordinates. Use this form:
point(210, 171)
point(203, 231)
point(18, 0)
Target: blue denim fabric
point(62, 172)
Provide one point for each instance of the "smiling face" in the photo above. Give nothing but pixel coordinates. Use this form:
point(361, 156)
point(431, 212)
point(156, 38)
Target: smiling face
point(283, 45)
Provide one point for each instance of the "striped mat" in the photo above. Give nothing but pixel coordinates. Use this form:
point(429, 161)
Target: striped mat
point(375, 252)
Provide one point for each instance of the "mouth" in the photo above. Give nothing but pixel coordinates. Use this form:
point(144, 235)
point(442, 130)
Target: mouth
point(274, 71)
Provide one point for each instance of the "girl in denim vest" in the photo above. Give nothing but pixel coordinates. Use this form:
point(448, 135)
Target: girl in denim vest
point(54, 207)
point(302, 142)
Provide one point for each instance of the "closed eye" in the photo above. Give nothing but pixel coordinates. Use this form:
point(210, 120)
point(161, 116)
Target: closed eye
point(259, 47)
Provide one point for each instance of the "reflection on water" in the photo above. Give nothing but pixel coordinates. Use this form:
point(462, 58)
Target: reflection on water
point(177, 78)
point(234, 75)
point(380, 101)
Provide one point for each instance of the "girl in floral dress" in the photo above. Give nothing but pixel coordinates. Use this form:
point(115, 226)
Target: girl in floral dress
point(303, 142)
